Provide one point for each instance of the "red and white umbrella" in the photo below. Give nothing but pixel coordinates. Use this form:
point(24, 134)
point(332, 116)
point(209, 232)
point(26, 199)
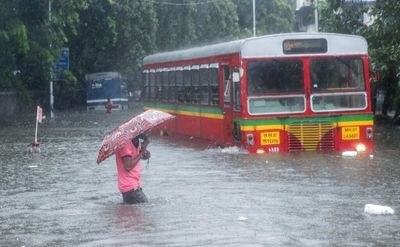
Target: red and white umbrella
point(118, 137)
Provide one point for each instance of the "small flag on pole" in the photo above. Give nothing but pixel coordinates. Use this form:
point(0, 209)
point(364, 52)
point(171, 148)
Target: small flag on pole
point(39, 117)
point(39, 114)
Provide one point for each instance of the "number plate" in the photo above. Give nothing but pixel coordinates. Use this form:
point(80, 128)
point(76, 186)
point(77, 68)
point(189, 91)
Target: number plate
point(270, 138)
point(350, 133)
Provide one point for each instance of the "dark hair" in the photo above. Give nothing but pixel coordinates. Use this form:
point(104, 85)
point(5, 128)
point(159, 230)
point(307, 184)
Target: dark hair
point(143, 136)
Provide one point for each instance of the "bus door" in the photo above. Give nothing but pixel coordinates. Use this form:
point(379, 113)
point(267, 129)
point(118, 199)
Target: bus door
point(236, 102)
point(227, 103)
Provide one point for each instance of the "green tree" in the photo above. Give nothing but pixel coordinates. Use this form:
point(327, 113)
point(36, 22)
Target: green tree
point(176, 27)
point(112, 36)
point(216, 21)
point(14, 43)
point(346, 17)
point(29, 42)
point(383, 37)
point(339, 16)
point(273, 16)
point(189, 23)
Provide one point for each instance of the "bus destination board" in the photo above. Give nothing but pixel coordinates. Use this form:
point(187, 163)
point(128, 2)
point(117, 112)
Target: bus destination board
point(303, 46)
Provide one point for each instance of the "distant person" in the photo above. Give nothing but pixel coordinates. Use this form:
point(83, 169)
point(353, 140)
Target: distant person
point(109, 105)
point(129, 169)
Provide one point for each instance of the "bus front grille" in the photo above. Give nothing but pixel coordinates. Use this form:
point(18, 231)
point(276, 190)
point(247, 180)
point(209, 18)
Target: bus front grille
point(311, 136)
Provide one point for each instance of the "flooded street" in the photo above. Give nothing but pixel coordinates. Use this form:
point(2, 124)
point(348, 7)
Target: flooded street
point(198, 196)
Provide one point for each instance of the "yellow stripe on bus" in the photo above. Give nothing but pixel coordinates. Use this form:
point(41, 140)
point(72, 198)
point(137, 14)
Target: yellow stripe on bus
point(199, 114)
point(356, 123)
point(280, 127)
point(261, 127)
point(190, 113)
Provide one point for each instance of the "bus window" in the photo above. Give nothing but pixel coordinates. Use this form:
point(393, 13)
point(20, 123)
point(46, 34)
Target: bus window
point(214, 86)
point(195, 84)
point(172, 87)
point(337, 74)
point(158, 85)
point(237, 106)
point(336, 84)
point(146, 84)
point(227, 86)
point(164, 85)
point(153, 88)
point(274, 77)
point(180, 96)
point(187, 86)
point(276, 104)
point(204, 81)
point(339, 102)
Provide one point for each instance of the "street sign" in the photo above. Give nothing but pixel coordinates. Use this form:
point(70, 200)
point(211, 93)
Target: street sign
point(61, 64)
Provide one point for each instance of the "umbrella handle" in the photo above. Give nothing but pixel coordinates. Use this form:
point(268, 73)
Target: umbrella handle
point(140, 144)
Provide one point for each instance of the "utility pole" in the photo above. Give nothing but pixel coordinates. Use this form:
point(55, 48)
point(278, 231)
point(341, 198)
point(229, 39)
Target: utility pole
point(254, 18)
point(51, 69)
point(316, 15)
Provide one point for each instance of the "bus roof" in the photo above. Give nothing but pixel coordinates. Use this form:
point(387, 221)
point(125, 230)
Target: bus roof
point(265, 46)
point(103, 75)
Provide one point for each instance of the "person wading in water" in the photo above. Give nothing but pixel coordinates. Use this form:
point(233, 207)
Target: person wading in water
point(129, 170)
point(109, 105)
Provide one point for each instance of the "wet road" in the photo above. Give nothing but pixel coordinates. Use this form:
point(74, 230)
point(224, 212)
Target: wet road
point(198, 196)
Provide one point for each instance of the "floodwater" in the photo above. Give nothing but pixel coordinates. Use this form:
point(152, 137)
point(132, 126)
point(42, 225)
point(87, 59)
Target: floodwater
point(198, 196)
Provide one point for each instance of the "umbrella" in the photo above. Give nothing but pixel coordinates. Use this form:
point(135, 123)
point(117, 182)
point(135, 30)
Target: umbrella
point(118, 137)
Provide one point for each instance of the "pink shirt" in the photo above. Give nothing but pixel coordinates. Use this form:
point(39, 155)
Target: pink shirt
point(127, 180)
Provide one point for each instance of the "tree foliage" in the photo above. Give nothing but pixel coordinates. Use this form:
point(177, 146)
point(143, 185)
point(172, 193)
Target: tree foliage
point(341, 16)
point(189, 23)
point(382, 36)
point(112, 36)
point(273, 16)
point(115, 35)
point(384, 49)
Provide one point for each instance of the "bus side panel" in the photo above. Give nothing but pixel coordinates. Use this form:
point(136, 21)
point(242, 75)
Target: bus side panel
point(212, 129)
point(200, 127)
point(169, 127)
point(188, 125)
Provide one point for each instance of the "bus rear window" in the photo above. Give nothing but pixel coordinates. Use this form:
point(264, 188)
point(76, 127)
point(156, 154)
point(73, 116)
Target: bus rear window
point(275, 77)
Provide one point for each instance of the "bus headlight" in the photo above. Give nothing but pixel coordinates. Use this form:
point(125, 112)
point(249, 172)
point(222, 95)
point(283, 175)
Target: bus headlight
point(369, 133)
point(250, 139)
point(361, 147)
point(260, 151)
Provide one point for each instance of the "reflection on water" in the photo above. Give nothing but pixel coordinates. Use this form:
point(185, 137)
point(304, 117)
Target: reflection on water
point(199, 196)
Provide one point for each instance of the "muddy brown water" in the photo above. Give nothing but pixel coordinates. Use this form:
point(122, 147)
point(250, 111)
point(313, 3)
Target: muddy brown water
point(198, 196)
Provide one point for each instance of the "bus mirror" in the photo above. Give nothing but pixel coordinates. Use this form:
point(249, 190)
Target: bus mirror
point(235, 76)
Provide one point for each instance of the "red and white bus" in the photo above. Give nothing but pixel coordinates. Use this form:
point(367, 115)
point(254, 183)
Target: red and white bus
point(274, 93)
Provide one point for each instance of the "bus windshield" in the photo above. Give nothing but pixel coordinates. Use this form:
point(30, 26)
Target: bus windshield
point(337, 84)
point(275, 87)
point(275, 77)
point(337, 74)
